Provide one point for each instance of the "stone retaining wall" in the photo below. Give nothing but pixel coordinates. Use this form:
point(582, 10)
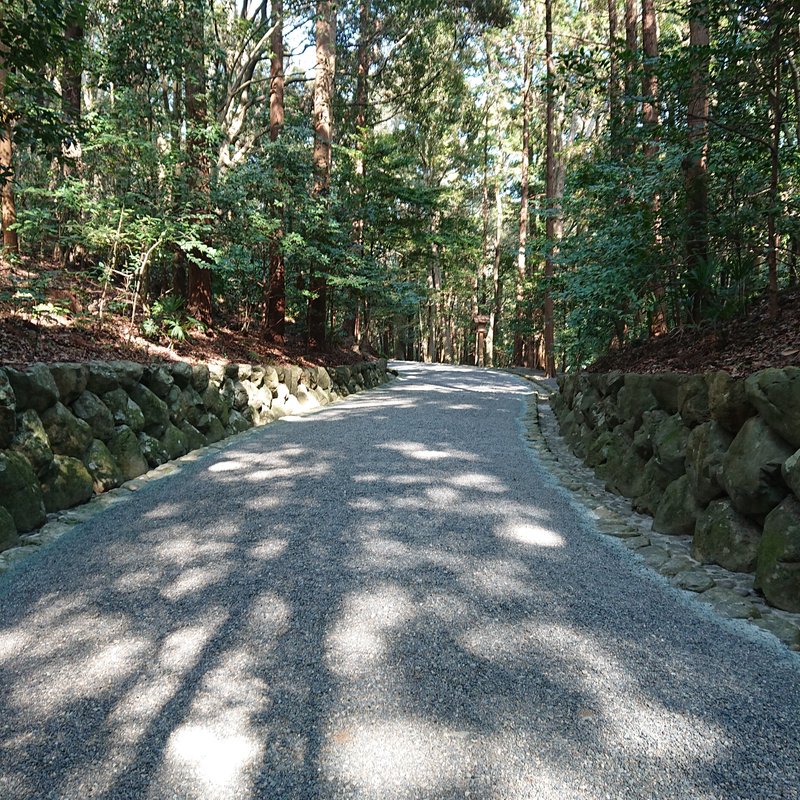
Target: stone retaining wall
point(68, 431)
point(709, 455)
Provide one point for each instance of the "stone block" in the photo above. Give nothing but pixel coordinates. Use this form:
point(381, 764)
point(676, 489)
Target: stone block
point(124, 447)
point(31, 441)
point(68, 435)
point(775, 393)
point(724, 536)
point(71, 380)
point(95, 414)
point(100, 464)
point(751, 469)
point(20, 493)
point(778, 567)
point(727, 401)
point(705, 449)
point(677, 510)
point(34, 387)
point(66, 484)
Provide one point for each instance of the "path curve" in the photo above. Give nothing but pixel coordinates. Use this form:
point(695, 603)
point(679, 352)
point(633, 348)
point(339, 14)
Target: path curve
point(389, 598)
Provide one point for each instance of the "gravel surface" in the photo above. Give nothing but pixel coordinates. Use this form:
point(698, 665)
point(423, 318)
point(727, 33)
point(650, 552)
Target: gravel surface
point(389, 598)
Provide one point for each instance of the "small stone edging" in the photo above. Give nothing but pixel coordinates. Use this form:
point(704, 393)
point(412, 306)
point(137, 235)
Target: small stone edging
point(730, 594)
point(78, 438)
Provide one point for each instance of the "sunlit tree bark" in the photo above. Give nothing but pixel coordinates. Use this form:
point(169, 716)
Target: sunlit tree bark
point(323, 137)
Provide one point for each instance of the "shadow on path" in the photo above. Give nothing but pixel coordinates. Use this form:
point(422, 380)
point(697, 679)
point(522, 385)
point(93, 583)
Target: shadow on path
point(385, 599)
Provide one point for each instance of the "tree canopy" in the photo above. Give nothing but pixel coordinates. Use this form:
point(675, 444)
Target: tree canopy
point(475, 181)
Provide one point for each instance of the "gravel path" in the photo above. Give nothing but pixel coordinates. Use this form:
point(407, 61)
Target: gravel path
point(390, 598)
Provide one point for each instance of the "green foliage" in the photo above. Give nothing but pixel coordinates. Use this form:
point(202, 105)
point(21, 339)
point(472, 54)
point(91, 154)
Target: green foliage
point(168, 319)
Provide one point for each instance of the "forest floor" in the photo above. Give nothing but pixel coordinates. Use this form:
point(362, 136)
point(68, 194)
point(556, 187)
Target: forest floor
point(49, 314)
point(740, 346)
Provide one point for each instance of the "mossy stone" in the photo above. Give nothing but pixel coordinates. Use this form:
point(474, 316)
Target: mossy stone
point(775, 393)
point(705, 449)
point(158, 380)
point(156, 413)
point(32, 442)
point(677, 510)
point(778, 567)
point(71, 379)
point(636, 397)
point(182, 373)
point(211, 428)
point(669, 445)
point(152, 450)
point(20, 492)
point(68, 435)
point(124, 410)
point(200, 377)
point(174, 442)
point(34, 387)
point(8, 530)
point(95, 414)
point(8, 405)
point(194, 439)
point(128, 373)
point(724, 536)
point(66, 484)
point(751, 468)
point(237, 423)
point(212, 400)
point(124, 447)
point(693, 400)
point(102, 467)
point(727, 401)
point(791, 472)
point(654, 481)
point(102, 378)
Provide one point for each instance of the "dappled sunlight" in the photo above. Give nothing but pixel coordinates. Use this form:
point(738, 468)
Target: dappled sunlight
point(477, 481)
point(359, 638)
point(392, 757)
point(218, 759)
point(161, 511)
point(346, 610)
point(225, 466)
point(422, 452)
point(194, 580)
point(181, 648)
point(533, 535)
point(500, 578)
point(99, 655)
point(268, 550)
point(188, 550)
point(293, 471)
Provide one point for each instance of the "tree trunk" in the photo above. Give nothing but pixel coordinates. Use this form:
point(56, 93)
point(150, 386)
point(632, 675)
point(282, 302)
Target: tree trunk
point(523, 208)
point(9, 208)
point(494, 314)
point(276, 303)
point(198, 292)
point(650, 121)
point(773, 236)
point(632, 50)
point(551, 191)
point(71, 153)
point(323, 135)
point(361, 99)
point(481, 268)
point(695, 165)
point(613, 69)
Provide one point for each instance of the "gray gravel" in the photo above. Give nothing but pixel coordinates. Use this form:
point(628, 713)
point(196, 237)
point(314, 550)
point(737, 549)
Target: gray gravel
point(390, 598)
